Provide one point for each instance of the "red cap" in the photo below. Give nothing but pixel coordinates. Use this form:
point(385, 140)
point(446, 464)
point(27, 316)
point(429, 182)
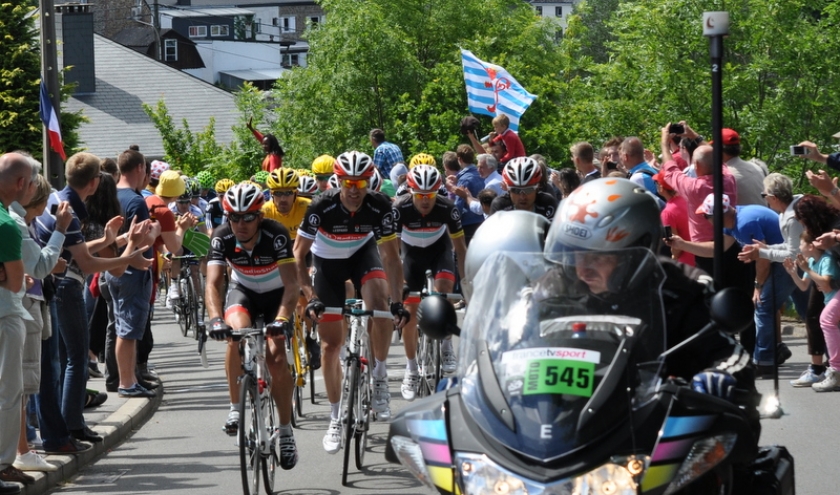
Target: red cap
point(660, 179)
point(730, 137)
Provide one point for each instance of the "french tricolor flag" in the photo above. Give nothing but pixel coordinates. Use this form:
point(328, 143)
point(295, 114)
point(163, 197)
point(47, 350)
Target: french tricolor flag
point(50, 120)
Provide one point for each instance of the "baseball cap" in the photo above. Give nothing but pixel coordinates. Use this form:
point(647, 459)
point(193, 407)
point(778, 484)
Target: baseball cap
point(158, 167)
point(708, 206)
point(171, 185)
point(660, 179)
point(730, 137)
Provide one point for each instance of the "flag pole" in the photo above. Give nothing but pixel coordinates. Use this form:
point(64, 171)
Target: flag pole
point(53, 165)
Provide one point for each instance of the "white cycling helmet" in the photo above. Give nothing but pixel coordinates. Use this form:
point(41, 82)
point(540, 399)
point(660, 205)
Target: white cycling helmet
point(522, 172)
point(424, 178)
point(333, 183)
point(245, 197)
point(376, 180)
point(307, 185)
point(353, 164)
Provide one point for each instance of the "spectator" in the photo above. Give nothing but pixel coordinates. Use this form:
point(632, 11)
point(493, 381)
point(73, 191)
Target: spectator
point(746, 225)
point(385, 154)
point(273, 152)
point(610, 154)
point(674, 215)
point(748, 176)
point(488, 170)
point(109, 166)
point(83, 174)
point(549, 180)
point(158, 167)
point(469, 178)
point(15, 178)
point(567, 181)
point(498, 150)
point(632, 155)
point(485, 198)
point(513, 145)
point(583, 156)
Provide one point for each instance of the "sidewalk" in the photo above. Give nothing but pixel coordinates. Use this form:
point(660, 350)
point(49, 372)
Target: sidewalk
point(115, 420)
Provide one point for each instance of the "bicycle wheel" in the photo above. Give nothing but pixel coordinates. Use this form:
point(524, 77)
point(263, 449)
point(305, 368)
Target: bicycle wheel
point(272, 460)
point(364, 398)
point(186, 312)
point(192, 301)
point(249, 421)
point(350, 392)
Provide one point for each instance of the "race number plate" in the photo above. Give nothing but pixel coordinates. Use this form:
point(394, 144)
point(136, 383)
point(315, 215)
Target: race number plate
point(559, 376)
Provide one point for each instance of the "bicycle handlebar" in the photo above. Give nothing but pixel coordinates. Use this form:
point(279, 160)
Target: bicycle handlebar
point(349, 310)
point(244, 332)
point(452, 296)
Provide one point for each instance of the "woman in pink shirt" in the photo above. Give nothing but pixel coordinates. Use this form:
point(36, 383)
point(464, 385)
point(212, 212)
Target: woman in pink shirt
point(674, 215)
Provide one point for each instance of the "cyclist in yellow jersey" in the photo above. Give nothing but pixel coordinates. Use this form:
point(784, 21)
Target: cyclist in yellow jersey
point(285, 205)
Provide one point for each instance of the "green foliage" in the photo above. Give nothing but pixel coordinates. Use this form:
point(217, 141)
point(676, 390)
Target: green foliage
point(20, 126)
point(184, 149)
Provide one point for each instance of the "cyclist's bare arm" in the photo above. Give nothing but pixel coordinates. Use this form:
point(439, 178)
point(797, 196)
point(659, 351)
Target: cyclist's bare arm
point(302, 247)
point(213, 292)
point(291, 289)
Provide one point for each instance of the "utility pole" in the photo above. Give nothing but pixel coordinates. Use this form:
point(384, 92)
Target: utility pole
point(156, 26)
point(53, 165)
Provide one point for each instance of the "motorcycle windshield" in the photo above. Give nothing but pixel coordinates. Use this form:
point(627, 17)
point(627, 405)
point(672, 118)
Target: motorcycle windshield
point(556, 352)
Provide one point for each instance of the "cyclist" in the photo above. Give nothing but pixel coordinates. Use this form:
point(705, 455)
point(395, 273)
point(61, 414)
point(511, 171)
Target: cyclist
point(322, 167)
point(207, 181)
point(421, 220)
point(215, 214)
point(259, 179)
point(522, 176)
point(308, 187)
point(418, 159)
point(263, 282)
point(180, 207)
point(342, 228)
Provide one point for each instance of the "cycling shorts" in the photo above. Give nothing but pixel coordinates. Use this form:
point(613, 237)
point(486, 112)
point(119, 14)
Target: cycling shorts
point(330, 274)
point(240, 298)
point(438, 258)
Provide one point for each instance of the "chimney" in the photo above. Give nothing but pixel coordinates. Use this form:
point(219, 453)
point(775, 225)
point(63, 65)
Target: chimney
point(75, 30)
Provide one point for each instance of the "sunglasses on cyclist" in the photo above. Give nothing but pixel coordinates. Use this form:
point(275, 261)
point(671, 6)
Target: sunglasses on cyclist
point(282, 194)
point(522, 190)
point(358, 184)
point(424, 195)
point(247, 217)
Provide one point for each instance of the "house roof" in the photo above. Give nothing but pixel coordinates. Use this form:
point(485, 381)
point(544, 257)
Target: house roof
point(125, 79)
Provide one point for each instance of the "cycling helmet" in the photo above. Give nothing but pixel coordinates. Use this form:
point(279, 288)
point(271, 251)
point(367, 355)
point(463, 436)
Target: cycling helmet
point(376, 180)
point(223, 185)
point(158, 167)
point(307, 186)
point(424, 178)
point(323, 165)
point(282, 178)
point(353, 164)
point(422, 159)
point(193, 187)
point(260, 177)
point(333, 182)
point(517, 230)
point(305, 171)
point(206, 179)
point(244, 197)
point(522, 172)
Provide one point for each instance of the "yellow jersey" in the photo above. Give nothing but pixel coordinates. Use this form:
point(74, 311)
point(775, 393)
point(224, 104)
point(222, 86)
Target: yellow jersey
point(291, 220)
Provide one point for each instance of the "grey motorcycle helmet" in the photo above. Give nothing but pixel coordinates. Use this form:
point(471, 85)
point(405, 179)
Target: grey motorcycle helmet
point(517, 231)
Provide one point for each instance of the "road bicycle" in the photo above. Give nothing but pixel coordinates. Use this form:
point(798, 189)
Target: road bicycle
point(189, 308)
point(258, 433)
point(429, 354)
point(299, 360)
point(357, 393)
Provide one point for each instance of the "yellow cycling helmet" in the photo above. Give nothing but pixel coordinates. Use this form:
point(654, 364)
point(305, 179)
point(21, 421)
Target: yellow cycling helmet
point(323, 165)
point(222, 185)
point(304, 172)
point(282, 179)
point(422, 159)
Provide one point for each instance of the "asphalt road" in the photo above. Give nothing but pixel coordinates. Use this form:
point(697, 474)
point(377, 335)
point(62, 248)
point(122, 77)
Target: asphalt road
point(182, 450)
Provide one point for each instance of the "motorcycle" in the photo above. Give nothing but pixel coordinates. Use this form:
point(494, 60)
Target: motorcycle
point(556, 397)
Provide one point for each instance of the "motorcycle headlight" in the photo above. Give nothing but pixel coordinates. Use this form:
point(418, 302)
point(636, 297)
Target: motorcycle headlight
point(481, 476)
point(411, 457)
point(704, 455)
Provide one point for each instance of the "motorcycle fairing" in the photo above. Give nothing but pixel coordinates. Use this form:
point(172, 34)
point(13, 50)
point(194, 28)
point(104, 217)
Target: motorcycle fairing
point(428, 429)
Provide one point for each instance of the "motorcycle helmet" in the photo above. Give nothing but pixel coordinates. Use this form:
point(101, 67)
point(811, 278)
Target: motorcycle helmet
point(245, 197)
point(353, 164)
point(424, 178)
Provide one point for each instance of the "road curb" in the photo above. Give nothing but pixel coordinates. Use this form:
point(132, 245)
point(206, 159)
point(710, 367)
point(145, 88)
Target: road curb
point(115, 429)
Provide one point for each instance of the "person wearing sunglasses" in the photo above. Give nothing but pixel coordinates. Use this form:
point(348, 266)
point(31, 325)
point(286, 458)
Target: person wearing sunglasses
point(285, 205)
point(263, 281)
point(350, 231)
point(429, 226)
point(322, 167)
point(522, 177)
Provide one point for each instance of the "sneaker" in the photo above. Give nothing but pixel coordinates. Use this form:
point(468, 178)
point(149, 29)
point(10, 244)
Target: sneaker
point(783, 353)
point(332, 439)
point(381, 399)
point(408, 388)
point(31, 461)
point(829, 384)
point(93, 370)
point(288, 451)
point(174, 291)
point(448, 362)
point(15, 475)
point(232, 424)
point(36, 443)
point(314, 349)
point(135, 391)
point(168, 305)
point(72, 446)
point(807, 378)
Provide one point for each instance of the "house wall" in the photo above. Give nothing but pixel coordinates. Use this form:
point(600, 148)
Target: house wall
point(550, 10)
point(112, 16)
point(236, 55)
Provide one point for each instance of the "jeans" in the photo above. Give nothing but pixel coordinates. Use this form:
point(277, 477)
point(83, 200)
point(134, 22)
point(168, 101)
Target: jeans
point(69, 303)
point(50, 421)
point(112, 373)
point(777, 288)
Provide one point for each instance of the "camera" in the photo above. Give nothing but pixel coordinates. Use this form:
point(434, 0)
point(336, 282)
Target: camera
point(798, 150)
point(668, 232)
point(53, 209)
point(611, 165)
point(676, 129)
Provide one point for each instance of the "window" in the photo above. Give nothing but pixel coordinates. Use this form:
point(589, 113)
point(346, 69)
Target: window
point(198, 31)
point(314, 21)
point(170, 50)
point(558, 11)
point(291, 59)
point(539, 10)
point(258, 22)
point(287, 25)
point(222, 30)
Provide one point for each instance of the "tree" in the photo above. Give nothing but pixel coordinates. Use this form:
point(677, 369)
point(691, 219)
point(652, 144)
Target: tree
point(20, 63)
point(188, 151)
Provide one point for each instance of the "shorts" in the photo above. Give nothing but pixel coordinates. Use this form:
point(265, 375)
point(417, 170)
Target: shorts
point(132, 293)
point(254, 304)
point(438, 258)
point(330, 274)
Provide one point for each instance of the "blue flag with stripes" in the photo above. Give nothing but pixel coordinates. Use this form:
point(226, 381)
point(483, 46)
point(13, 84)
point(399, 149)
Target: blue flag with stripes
point(491, 90)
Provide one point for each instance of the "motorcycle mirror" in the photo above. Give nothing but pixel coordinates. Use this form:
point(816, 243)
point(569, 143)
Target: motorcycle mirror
point(436, 318)
point(732, 309)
